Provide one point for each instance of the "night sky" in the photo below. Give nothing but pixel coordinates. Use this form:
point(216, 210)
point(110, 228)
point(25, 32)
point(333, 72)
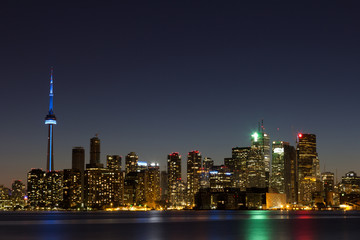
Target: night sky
point(157, 77)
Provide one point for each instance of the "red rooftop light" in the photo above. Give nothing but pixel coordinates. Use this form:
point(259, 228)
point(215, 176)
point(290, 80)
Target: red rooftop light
point(300, 135)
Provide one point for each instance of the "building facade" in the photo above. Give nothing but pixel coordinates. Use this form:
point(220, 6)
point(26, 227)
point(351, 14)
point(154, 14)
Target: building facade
point(193, 175)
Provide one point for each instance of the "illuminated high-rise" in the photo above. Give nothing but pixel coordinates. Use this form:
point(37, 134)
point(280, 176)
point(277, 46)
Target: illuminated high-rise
point(50, 120)
point(72, 189)
point(240, 156)
point(308, 168)
point(256, 174)
point(207, 164)
point(71, 179)
point(328, 180)
point(131, 162)
point(95, 153)
point(193, 175)
point(53, 184)
point(36, 188)
point(18, 193)
point(283, 175)
point(103, 188)
point(174, 179)
point(220, 178)
point(153, 191)
point(113, 162)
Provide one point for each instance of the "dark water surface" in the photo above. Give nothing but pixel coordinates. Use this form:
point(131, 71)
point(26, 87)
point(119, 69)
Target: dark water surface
point(188, 225)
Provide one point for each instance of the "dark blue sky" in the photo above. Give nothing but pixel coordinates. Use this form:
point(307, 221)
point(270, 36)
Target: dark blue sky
point(164, 76)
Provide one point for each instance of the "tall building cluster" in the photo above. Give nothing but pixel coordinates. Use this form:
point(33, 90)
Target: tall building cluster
point(266, 174)
point(242, 182)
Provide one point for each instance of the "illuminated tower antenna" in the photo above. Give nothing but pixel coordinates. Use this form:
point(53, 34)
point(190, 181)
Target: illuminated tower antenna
point(50, 120)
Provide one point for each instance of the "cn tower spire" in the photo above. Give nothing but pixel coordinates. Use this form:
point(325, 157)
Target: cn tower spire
point(51, 94)
point(50, 120)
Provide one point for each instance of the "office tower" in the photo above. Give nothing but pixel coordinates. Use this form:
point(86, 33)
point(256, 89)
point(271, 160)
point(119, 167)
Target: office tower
point(136, 181)
point(220, 178)
point(53, 189)
point(95, 153)
point(328, 186)
point(103, 188)
point(256, 176)
point(18, 193)
point(36, 188)
point(78, 158)
point(267, 156)
point(293, 185)
point(153, 192)
point(230, 164)
point(240, 157)
point(50, 120)
point(131, 162)
point(164, 185)
point(174, 179)
point(283, 175)
point(113, 194)
point(5, 198)
point(95, 184)
point(308, 168)
point(130, 188)
point(78, 164)
point(328, 180)
point(141, 187)
point(207, 164)
point(261, 140)
point(350, 183)
point(193, 175)
point(113, 162)
point(72, 189)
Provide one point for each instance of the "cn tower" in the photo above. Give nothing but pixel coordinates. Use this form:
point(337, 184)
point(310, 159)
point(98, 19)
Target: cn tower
point(50, 120)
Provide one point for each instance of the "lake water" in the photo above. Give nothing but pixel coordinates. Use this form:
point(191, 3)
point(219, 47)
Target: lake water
point(182, 225)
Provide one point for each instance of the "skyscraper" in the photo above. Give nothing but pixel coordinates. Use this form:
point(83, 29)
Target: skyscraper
point(95, 153)
point(71, 178)
point(50, 120)
point(78, 159)
point(113, 162)
point(240, 156)
point(328, 179)
point(53, 184)
point(283, 175)
point(36, 188)
point(153, 192)
point(207, 165)
point(131, 162)
point(174, 179)
point(193, 175)
point(72, 189)
point(256, 176)
point(18, 193)
point(308, 168)
point(103, 188)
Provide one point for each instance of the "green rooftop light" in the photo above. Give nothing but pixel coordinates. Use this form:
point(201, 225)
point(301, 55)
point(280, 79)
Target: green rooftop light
point(255, 136)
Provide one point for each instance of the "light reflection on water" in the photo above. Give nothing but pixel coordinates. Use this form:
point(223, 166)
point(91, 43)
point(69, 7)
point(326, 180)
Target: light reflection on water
point(184, 225)
point(257, 227)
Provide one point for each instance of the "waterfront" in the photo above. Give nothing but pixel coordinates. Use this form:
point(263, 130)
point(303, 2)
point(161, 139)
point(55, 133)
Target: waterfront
point(252, 225)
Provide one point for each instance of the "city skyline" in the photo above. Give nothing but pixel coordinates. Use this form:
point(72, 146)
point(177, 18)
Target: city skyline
point(201, 80)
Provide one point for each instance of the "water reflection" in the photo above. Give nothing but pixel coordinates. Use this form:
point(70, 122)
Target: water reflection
point(257, 226)
point(304, 228)
point(184, 225)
